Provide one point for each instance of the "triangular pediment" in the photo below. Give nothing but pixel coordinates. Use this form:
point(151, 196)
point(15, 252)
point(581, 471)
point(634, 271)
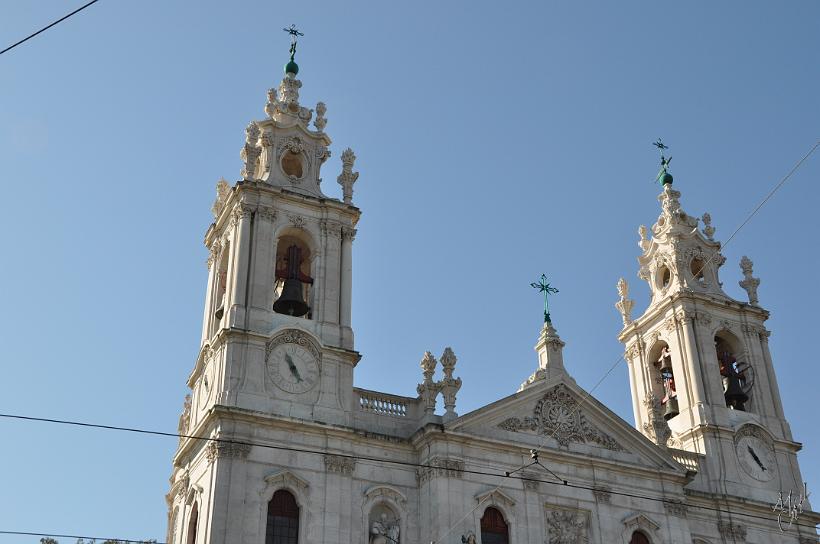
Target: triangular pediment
point(557, 414)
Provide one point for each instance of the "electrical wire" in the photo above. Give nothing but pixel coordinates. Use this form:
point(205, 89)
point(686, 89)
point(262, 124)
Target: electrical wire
point(51, 535)
point(60, 20)
point(292, 449)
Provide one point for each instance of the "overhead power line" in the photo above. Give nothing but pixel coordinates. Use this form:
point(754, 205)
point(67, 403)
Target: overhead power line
point(500, 474)
point(84, 537)
point(60, 20)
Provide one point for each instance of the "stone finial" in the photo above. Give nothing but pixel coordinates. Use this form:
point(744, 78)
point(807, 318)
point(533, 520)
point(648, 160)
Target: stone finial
point(348, 177)
point(321, 121)
point(624, 305)
point(449, 386)
point(428, 366)
point(223, 191)
point(428, 389)
point(550, 349)
point(708, 229)
point(250, 151)
point(748, 282)
point(643, 243)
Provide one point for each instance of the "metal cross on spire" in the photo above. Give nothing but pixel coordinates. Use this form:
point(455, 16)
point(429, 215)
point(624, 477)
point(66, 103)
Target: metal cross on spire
point(663, 176)
point(543, 286)
point(294, 36)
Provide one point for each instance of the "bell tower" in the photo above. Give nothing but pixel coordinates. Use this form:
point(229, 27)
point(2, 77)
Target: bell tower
point(277, 335)
point(700, 369)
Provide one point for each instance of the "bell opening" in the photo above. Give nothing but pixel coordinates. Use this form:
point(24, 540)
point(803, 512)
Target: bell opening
point(293, 280)
point(733, 372)
point(663, 378)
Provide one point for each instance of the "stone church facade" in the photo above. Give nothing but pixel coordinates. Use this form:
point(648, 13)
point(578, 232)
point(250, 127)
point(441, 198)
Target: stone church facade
point(299, 454)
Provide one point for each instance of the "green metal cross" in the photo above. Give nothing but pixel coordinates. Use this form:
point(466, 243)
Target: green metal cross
point(544, 287)
point(664, 161)
point(294, 34)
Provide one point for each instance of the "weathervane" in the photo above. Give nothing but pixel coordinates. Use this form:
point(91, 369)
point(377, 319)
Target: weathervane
point(294, 36)
point(544, 287)
point(663, 176)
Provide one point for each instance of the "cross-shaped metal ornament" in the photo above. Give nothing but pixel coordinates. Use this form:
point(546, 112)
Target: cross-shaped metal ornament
point(544, 287)
point(664, 161)
point(294, 36)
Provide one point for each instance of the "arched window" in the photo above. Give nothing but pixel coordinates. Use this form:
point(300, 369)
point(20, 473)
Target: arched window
point(192, 523)
point(639, 538)
point(283, 519)
point(494, 528)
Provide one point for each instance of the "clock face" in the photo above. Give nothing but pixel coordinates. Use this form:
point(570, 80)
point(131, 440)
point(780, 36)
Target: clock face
point(293, 368)
point(756, 457)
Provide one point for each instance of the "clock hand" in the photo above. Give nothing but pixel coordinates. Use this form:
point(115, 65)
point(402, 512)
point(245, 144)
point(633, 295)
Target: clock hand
point(756, 458)
point(293, 369)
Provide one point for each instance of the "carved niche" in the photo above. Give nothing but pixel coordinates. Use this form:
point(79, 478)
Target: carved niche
point(557, 414)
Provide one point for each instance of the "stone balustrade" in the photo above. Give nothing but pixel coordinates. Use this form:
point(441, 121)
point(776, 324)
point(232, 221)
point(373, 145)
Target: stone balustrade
point(382, 403)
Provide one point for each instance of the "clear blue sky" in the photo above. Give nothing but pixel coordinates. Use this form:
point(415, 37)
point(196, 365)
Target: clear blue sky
point(496, 141)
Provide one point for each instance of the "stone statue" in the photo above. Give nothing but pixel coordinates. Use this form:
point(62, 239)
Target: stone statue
point(469, 538)
point(383, 531)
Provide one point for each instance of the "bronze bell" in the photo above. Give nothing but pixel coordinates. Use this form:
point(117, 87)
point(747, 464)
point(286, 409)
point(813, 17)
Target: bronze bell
point(735, 397)
point(670, 408)
point(220, 311)
point(290, 302)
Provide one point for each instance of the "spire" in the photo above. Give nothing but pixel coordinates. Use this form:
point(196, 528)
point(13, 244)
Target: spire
point(283, 104)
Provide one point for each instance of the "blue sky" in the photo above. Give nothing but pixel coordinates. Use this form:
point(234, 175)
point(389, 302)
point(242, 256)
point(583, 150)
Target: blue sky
point(495, 142)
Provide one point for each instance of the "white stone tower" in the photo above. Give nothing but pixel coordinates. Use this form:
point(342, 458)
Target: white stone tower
point(700, 369)
point(276, 336)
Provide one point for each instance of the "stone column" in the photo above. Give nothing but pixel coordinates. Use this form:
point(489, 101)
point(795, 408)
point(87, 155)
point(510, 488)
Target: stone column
point(213, 266)
point(346, 287)
point(694, 374)
point(243, 219)
point(227, 494)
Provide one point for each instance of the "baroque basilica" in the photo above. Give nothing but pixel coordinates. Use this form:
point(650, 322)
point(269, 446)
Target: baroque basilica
point(295, 453)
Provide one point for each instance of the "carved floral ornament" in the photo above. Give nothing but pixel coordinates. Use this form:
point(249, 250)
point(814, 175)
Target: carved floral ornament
point(557, 415)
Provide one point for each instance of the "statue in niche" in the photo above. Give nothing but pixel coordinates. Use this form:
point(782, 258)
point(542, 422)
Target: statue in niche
point(469, 538)
point(384, 531)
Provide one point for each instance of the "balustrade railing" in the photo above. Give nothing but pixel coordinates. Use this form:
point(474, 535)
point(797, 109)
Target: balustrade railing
point(382, 403)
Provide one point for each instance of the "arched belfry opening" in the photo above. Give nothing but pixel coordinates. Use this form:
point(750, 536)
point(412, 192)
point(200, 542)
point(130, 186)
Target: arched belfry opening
point(663, 379)
point(736, 374)
point(292, 292)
